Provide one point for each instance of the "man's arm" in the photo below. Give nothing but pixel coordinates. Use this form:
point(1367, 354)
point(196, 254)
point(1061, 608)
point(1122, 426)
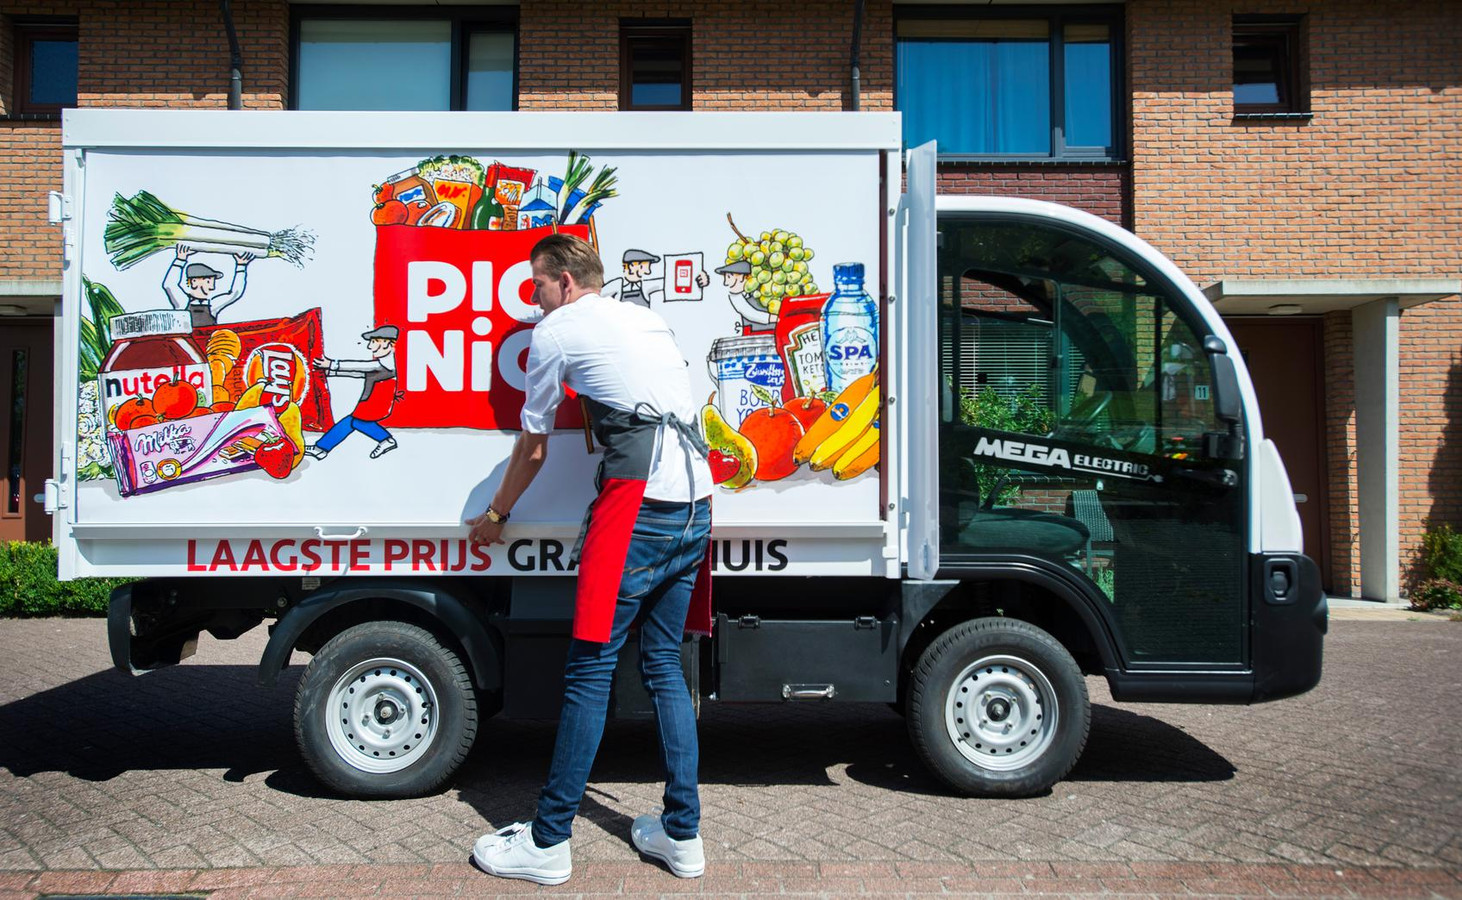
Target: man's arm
point(235, 288)
point(529, 452)
point(172, 284)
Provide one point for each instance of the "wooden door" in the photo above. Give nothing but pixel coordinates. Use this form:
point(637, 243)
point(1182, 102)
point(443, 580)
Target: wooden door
point(1284, 356)
point(27, 394)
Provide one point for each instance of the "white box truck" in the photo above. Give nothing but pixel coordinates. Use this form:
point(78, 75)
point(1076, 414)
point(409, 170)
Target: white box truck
point(968, 450)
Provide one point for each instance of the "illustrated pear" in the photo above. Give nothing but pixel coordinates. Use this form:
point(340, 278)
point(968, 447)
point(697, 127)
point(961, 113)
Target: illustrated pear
point(728, 447)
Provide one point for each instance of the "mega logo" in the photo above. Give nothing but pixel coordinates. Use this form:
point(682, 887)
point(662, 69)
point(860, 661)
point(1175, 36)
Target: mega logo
point(461, 300)
point(1021, 452)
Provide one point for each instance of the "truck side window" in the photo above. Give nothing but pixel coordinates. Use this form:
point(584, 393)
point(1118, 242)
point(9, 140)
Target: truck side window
point(1076, 400)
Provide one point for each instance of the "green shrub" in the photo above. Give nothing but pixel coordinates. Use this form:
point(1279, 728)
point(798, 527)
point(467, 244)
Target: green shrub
point(1023, 413)
point(28, 585)
point(1437, 593)
point(1441, 553)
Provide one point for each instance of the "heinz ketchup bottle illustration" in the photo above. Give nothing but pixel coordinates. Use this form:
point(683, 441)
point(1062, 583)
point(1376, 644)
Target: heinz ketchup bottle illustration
point(849, 328)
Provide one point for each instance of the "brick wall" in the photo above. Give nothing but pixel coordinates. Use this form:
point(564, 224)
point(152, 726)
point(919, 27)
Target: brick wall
point(1101, 191)
point(1366, 189)
point(155, 54)
point(744, 54)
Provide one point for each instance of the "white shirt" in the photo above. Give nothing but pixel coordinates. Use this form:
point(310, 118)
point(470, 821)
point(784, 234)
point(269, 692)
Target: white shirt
point(621, 355)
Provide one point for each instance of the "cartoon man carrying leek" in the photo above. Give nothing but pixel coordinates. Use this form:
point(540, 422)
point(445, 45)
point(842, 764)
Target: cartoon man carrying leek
point(194, 286)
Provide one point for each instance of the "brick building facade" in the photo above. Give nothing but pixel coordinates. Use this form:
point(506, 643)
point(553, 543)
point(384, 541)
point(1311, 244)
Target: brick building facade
point(1358, 194)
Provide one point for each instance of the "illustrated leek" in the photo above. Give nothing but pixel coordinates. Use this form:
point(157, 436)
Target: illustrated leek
point(143, 225)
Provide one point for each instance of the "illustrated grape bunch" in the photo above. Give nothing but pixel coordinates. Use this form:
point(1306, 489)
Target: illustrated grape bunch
point(779, 266)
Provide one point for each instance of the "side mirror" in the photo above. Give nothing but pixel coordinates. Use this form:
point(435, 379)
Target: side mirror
point(1228, 404)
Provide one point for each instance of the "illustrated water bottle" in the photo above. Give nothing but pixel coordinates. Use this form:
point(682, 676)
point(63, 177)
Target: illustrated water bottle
point(849, 328)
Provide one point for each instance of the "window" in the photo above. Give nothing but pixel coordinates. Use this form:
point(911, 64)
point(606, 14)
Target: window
point(654, 65)
point(1268, 78)
point(396, 59)
point(45, 67)
point(1041, 85)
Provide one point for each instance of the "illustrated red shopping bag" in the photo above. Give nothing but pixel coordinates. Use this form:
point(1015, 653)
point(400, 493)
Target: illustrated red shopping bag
point(461, 302)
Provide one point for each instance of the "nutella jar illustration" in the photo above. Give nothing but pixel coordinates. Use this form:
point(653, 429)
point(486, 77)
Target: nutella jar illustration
point(149, 349)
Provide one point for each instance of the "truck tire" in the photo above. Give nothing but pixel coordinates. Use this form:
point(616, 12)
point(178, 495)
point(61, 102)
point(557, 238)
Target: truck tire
point(998, 708)
point(385, 711)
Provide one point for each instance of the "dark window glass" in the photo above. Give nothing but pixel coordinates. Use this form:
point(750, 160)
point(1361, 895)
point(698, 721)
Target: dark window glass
point(655, 67)
point(985, 87)
point(1267, 75)
point(45, 67)
point(400, 61)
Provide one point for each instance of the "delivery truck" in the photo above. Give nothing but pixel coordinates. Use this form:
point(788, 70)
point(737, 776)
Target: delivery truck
point(968, 450)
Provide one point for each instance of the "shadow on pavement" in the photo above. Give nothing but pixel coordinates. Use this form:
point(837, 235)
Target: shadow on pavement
point(218, 717)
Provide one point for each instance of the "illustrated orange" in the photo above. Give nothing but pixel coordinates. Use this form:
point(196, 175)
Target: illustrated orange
point(222, 406)
point(144, 421)
point(174, 400)
point(128, 411)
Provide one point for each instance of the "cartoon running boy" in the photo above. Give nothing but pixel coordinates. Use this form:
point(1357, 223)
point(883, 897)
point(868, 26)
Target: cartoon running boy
point(377, 396)
point(192, 286)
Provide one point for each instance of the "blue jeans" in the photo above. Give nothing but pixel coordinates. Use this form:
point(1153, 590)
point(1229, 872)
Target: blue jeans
point(659, 574)
point(342, 428)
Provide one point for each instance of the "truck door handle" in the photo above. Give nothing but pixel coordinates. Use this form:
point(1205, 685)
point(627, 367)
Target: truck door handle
point(1224, 478)
point(359, 531)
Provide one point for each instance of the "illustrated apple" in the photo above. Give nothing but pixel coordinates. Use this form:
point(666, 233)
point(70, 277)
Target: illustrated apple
point(275, 458)
point(724, 466)
point(806, 409)
point(774, 432)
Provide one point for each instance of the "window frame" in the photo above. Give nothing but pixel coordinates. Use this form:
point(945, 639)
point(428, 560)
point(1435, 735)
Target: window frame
point(465, 21)
point(1288, 33)
point(1058, 17)
point(25, 32)
point(662, 29)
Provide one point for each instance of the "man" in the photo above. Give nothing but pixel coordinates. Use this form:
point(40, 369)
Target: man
point(637, 286)
point(643, 551)
point(377, 394)
point(192, 286)
point(754, 319)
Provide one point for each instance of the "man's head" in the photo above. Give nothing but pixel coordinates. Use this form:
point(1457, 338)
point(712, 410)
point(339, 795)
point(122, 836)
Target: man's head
point(564, 269)
point(637, 265)
point(200, 280)
point(734, 276)
point(381, 341)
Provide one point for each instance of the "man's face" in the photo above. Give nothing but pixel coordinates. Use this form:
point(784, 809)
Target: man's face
point(634, 271)
point(202, 287)
point(735, 281)
point(379, 347)
point(548, 292)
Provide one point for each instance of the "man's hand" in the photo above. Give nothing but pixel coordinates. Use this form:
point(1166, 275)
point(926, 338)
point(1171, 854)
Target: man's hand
point(322, 363)
point(485, 531)
point(244, 258)
point(183, 252)
point(703, 279)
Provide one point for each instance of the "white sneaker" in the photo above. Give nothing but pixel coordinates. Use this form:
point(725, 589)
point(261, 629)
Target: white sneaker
point(510, 853)
point(687, 859)
point(383, 448)
point(315, 452)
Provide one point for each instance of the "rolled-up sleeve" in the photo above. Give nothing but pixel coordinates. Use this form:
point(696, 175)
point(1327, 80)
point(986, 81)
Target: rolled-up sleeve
point(546, 365)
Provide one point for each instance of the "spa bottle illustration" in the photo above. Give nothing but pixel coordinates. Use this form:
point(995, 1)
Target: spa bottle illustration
point(849, 328)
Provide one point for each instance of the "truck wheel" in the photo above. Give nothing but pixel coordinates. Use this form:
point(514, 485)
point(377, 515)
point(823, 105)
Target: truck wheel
point(384, 710)
point(998, 708)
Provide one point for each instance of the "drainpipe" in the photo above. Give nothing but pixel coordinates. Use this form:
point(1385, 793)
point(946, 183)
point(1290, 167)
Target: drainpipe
point(235, 60)
point(857, 44)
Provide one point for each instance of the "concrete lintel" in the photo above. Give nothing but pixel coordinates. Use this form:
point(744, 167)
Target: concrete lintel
point(16, 288)
point(1255, 296)
point(1377, 333)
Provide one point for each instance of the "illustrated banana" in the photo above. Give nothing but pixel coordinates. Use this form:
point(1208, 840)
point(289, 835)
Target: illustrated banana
point(833, 417)
point(857, 422)
point(860, 457)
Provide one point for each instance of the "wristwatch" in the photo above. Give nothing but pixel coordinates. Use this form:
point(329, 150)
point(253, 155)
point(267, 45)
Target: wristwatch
point(495, 517)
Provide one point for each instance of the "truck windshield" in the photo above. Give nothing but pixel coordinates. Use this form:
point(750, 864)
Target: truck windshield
point(1077, 425)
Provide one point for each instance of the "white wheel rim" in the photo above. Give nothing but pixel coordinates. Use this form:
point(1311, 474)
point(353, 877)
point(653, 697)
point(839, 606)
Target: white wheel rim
point(1001, 713)
point(381, 715)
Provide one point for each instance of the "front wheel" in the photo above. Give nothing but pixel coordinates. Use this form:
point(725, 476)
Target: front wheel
point(998, 708)
point(385, 710)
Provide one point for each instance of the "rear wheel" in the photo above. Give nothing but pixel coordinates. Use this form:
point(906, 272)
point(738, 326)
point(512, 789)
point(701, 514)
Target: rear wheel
point(385, 710)
point(997, 707)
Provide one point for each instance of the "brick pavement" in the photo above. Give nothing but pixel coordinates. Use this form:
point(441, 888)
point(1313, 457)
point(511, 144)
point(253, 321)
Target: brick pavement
point(187, 779)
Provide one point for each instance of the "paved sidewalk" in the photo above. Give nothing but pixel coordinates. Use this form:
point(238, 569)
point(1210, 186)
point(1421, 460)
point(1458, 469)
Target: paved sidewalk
point(187, 780)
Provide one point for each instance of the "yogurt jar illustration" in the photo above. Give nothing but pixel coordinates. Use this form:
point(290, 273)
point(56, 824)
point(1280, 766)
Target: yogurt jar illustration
point(738, 366)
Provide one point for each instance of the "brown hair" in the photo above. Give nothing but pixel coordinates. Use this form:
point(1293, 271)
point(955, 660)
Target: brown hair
point(559, 253)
